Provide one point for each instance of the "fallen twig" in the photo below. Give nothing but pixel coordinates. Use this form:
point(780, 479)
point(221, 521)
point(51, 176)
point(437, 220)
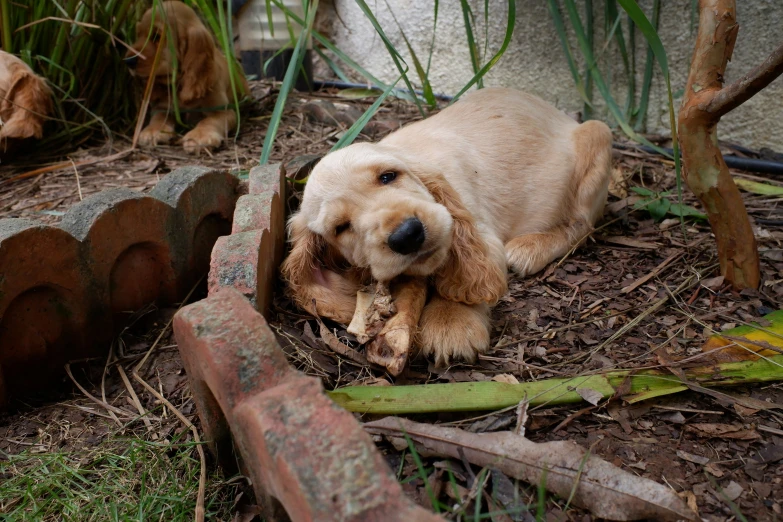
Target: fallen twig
point(562, 467)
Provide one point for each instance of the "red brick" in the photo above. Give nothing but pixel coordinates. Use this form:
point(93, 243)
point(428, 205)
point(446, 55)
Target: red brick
point(247, 260)
point(114, 252)
point(204, 201)
point(295, 443)
point(47, 314)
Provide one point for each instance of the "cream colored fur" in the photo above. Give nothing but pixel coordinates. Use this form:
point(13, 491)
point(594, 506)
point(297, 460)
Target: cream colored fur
point(501, 178)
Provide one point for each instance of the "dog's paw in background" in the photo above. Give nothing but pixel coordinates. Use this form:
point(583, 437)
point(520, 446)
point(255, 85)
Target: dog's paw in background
point(203, 78)
point(200, 139)
point(450, 331)
point(25, 102)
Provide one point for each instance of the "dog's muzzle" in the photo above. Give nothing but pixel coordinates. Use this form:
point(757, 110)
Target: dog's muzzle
point(408, 237)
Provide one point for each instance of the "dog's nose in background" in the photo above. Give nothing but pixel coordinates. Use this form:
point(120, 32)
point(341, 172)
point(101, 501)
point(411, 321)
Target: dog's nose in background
point(131, 61)
point(408, 237)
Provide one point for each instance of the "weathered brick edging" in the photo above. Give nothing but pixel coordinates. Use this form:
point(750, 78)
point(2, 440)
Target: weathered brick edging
point(247, 260)
point(65, 289)
point(295, 444)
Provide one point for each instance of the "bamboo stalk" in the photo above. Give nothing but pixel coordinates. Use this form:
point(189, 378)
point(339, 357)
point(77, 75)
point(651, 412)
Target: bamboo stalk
point(490, 395)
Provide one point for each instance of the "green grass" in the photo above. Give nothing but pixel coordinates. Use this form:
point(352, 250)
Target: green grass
point(78, 46)
point(121, 479)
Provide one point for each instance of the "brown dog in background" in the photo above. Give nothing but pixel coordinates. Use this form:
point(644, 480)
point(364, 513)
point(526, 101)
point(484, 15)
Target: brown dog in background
point(203, 80)
point(25, 101)
point(499, 179)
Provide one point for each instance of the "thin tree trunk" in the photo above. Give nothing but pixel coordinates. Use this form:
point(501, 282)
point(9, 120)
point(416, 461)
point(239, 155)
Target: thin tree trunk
point(705, 101)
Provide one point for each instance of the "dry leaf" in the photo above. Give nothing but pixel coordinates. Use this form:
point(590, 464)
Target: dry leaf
point(733, 491)
point(604, 489)
point(334, 343)
point(722, 431)
point(690, 457)
point(713, 283)
point(505, 377)
point(590, 395)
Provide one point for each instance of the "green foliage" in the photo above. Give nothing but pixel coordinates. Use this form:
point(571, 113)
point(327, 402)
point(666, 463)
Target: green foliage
point(400, 63)
point(658, 205)
point(123, 479)
point(79, 46)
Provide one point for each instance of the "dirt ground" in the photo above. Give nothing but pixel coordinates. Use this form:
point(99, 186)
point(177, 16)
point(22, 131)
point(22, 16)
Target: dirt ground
point(587, 313)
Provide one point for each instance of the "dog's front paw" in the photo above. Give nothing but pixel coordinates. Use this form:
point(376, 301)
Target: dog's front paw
point(201, 139)
point(151, 137)
point(451, 331)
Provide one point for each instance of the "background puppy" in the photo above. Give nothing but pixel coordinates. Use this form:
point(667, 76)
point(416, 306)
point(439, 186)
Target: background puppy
point(501, 178)
point(25, 101)
point(203, 80)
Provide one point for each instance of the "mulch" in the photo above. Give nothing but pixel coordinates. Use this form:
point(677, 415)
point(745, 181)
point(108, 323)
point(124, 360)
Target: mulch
point(639, 293)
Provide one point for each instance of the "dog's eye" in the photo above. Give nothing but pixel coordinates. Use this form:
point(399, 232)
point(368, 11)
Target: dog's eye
point(387, 177)
point(155, 37)
point(342, 227)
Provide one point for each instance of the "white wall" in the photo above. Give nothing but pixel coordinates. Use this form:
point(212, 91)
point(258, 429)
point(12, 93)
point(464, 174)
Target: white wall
point(535, 61)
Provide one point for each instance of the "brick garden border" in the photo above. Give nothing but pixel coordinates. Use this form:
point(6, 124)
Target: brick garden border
point(304, 454)
point(65, 290)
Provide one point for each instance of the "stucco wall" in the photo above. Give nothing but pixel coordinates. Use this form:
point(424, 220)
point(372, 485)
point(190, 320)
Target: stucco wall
point(535, 61)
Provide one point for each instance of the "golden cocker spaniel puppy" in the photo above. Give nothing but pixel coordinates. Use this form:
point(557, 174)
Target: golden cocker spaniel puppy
point(25, 101)
point(499, 179)
point(202, 77)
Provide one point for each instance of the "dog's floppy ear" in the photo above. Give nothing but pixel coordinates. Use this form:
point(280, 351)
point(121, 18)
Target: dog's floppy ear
point(469, 274)
point(30, 102)
point(196, 50)
point(313, 287)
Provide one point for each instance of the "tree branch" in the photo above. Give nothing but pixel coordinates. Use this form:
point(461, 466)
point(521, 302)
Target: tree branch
point(734, 95)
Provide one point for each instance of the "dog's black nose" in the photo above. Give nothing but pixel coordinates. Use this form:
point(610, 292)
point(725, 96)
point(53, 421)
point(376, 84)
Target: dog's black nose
point(131, 61)
point(408, 237)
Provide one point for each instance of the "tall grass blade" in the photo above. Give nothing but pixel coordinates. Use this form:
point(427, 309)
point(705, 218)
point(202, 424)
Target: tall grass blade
point(557, 20)
point(617, 34)
point(426, 87)
point(512, 17)
point(432, 42)
point(649, 32)
point(402, 67)
point(590, 27)
point(467, 15)
point(644, 99)
point(360, 123)
point(288, 83)
point(5, 12)
point(340, 54)
point(599, 81)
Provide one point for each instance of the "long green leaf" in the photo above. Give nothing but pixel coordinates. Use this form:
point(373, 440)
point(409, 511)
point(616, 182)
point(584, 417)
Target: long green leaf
point(759, 188)
point(637, 15)
point(288, 83)
point(360, 123)
point(396, 57)
point(512, 10)
point(340, 54)
point(426, 87)
point(467, 16)
point(644, 99)
point(599, 81)
point(557, 20)
point(490, 395)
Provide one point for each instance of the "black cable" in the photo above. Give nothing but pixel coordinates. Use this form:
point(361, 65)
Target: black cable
point(735, 162)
